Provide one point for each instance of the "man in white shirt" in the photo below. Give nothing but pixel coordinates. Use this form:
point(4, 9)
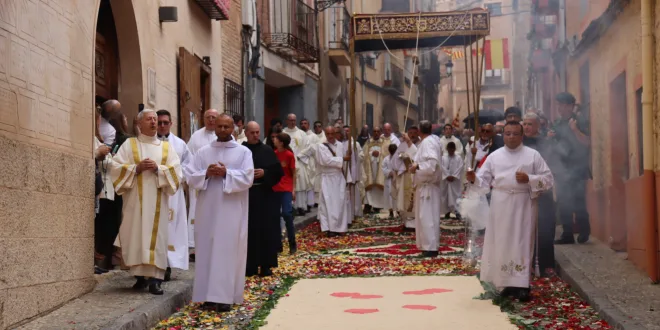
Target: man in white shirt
point(387, 134)
point(109, 109)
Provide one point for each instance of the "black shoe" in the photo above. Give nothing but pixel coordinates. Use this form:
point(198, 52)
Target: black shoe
point(429, 254)
point(523, 295)
point(458, 215)
point(265, 272)
point(154, 288)
point(508, 292)
point(565, 240)
point(221, 308)
point(293, 249)
point(99, 270)
point(391, 214)
point(316, 205)
point(141, 283)
point(168, 274)
point(367, 209)
point(583, 239)
point(448, 215)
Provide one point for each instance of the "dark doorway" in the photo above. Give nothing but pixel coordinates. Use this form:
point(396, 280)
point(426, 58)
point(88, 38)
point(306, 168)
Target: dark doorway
point(106, 64)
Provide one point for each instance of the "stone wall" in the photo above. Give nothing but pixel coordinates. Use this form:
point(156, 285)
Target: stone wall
point(46, 129)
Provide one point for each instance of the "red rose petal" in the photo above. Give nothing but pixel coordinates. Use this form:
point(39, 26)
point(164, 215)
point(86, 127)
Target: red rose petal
point(427, 291)
point(345, 294)
point(367, 296)
point(420, 307)
point(362, 310)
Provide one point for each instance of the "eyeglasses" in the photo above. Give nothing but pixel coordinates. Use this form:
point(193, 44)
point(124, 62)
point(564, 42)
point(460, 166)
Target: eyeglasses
point(163, 123)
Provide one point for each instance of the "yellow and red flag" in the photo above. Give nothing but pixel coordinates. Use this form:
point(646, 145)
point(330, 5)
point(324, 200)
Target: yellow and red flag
point(497, 54)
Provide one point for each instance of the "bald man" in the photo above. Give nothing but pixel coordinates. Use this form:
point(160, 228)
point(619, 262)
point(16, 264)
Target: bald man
point(334, 198)
point(264, 207)
point(222, 172)
point(388, 135)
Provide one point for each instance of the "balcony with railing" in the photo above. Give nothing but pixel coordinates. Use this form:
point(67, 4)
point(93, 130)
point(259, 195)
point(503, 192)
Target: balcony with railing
point(339, 26)
point(288, 27)
point(394, 79)
point(546, 7)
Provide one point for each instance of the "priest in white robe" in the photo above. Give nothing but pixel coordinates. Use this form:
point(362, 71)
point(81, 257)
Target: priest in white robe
point(518, 175)
point(334, 197)
point(451, 185)
point(299, 147)
point(403, 181)
point(374, 151)
point(427, 171)
point(223, 173)
point(177, 249)
point(309, 155)
point(390, 194)
point(201, 138)
point(353, 171)
point(388, 135)
point(146, 172)
point(448, 136)
point(320, 134)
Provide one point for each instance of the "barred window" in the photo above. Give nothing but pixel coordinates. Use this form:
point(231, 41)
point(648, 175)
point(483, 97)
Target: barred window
point(233, 98)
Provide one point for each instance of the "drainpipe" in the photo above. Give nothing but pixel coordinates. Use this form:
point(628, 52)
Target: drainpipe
point(649, 191)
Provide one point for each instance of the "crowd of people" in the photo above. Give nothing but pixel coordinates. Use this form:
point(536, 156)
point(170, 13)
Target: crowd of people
point(240, 189)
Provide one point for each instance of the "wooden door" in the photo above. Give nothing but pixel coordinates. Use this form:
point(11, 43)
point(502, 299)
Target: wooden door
point(271, 106)
point(105, 69)
point(619, 162)
point(190, 100)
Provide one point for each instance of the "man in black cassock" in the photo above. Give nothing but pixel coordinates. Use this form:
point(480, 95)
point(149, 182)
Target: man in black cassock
point(546, 204)
point(264, 209)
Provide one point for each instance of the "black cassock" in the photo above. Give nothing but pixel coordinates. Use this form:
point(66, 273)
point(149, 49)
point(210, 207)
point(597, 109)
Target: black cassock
point(264, 236)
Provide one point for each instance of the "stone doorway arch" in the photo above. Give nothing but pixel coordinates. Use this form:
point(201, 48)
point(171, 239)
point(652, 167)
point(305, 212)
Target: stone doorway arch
point(117, 58)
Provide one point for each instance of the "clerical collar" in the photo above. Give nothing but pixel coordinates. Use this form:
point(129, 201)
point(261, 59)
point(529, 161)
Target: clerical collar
point(224, 144)
point(149, 139)
point(164, 136)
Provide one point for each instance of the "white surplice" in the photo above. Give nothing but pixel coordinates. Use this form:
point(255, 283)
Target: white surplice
point(177, 249)
point(309, 156)
point(143, 235)
point(353, 170)
point(334, 199)
point(451, 191)
point(221, 222)
point(457, 142)
point(427, 193)
point(403, 184)
point(387, 170)
point(393, 139)
point(299, 146)
point(201, 138)
point(317, 177)
point(509, 241)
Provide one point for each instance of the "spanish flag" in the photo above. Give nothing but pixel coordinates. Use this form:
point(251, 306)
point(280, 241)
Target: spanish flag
point(497, 54)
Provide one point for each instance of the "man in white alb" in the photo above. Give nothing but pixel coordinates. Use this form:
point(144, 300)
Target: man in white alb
point(375, 150)
point(448, 136)
point(387, 134)
point(427, 171)
point(309, 155)
point(299, 147)
point(320, 134)
point(201, 138)
point(334, 197)
point(518, 175)
point(177, 249)
point(223, 173)
point(145, 171)
point(353, 172)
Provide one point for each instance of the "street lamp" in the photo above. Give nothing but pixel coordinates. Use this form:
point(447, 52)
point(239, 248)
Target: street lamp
point(449, 65)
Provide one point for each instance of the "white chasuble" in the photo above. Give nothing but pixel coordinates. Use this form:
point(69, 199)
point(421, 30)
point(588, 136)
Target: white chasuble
point(353, 174)
point(177, 249)
point(143, 235)
point(201, 138)
point(334, 197)
point(427, 193)
point(221, 228)
point(402, 185)
point(451, 191)
point(387, 191)
point(374, 178)
point(509, 241)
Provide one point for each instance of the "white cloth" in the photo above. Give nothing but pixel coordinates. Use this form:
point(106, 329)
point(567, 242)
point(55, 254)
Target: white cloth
point(317, 177)
point(143, 235)
point(354, 173)
point(334, 201)
point(310, 156)
point(387, 172)
point(509, 242)
point(107, 131)
point(457, 142)
point(402, 180)
point(451, 191)
point(427, 193)
point(393, 139)
point(302, 152)
point(482, 151)
point(201, 138)
point(177, 250)
point(222, 222)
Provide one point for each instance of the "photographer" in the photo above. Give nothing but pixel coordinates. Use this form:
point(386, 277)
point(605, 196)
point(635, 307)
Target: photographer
point(570, 142)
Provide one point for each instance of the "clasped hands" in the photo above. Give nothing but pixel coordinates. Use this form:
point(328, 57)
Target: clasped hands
point(147, 165)
point(218, 170)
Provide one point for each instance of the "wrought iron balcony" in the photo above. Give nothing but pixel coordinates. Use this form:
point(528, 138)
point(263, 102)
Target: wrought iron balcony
point(288, 27)
point(546, 7)
point(215, 9)
point(394, 79)
point(339, 27)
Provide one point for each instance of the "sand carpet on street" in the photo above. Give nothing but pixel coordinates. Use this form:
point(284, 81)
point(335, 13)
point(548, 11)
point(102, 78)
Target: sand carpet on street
point(411, 302)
